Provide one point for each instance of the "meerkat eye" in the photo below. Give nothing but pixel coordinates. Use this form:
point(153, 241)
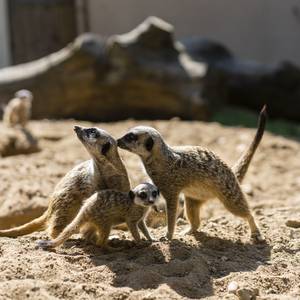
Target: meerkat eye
point(143, 195)
point(130, 137)
point(149, 143)
point(154, 194)
point(105, 148)
point(92, 132)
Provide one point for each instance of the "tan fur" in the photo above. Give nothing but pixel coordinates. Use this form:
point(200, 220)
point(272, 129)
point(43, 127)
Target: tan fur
point(104, 171)
point(108, 208)
point(18, 110)
point(197, 172)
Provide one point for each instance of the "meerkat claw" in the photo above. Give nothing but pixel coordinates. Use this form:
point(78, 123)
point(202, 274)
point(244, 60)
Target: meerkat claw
point(257, 238)
point(169, 236)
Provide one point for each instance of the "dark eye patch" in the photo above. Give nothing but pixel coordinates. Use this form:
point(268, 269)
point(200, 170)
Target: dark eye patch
point(143, 195)
point(130, 137)
point(154, 194)
point(105, 148)
point(92, 132)
point(149, 143)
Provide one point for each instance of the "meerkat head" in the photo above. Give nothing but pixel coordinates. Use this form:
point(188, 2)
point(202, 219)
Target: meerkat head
point(95, 140)
point(145, 194)
point(24, 95)
point(141, 140)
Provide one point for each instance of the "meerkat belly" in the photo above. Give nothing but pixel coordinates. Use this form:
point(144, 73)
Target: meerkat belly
point(199, 191)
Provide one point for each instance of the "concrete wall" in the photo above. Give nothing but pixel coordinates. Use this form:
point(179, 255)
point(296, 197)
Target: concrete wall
point(265, 30)
point(4, 37)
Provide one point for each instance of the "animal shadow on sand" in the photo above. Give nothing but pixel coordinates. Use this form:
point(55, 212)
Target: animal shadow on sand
point(187, 270)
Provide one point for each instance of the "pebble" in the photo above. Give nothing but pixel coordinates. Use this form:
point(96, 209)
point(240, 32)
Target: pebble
point(277, 248)
point(247, 188)
point(224, 258)
point(232, 287)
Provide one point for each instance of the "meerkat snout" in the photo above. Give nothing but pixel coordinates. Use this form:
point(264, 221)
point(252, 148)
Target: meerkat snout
point(90, 134)
point(141, 140)
point(77, 128)
point(94, 139)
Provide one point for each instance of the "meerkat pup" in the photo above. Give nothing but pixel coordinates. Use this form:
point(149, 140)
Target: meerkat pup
point(108, 208)
point(18, 110)
point(104, 171)
point(197, 172)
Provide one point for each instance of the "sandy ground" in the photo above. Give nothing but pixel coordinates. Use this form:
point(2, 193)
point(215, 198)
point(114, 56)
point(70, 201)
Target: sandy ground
point(198, 266)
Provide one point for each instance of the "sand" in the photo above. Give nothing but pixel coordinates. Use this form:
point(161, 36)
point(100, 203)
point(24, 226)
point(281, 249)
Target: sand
point(199, 266)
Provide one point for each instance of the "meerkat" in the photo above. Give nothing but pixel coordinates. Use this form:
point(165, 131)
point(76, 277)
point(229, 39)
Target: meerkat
point(18, 110)
point(197, 172)
point(109, 208)
point(105, 170)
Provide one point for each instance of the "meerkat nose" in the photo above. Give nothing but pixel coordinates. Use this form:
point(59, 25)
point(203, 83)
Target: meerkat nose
point(76, 128)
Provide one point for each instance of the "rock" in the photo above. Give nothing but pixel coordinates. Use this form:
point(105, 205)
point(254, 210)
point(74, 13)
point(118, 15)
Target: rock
point(143, 74)
point(208, 51)
point(292, 223)
point(14, 141)
point(247, 294)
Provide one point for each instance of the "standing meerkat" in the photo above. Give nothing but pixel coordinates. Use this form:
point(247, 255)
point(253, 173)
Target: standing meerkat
point(104, 171)
point(18, 110)
point(109, 208)
point(197, 172)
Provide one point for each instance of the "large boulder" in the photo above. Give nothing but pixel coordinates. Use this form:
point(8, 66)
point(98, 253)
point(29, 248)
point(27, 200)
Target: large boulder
point(142, 74)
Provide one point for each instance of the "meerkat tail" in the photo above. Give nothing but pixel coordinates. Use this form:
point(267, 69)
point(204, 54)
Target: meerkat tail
point(241, 167)
point(71, 229)
point(32, 226)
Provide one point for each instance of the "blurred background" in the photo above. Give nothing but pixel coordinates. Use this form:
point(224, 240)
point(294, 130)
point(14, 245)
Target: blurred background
point(204, 60)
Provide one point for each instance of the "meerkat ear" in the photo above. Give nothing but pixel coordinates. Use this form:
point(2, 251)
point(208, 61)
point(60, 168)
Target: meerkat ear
point(131, 195)
point(105, 148)
point(149, 143)
point(158, 192)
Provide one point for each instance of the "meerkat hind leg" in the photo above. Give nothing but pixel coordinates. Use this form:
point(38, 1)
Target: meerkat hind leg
point(192, 209)
point(104, 232)
point(255, 233)
point(90, 233)
point(62, 218)
point(237, 204)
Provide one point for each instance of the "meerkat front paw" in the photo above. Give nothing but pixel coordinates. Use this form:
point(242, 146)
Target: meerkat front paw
point(44, 244)
point(256, 237)
point(169, 236)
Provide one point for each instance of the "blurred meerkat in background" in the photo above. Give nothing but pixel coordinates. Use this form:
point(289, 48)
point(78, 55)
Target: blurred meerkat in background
point(18, 111)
